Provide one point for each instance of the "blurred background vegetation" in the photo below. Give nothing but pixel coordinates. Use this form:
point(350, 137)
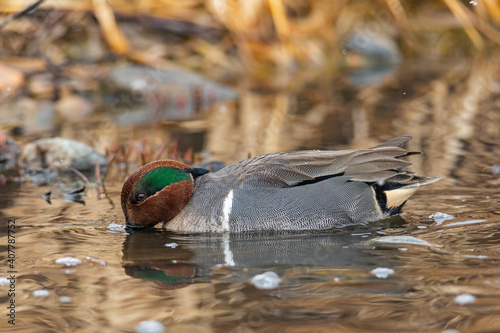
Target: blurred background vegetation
point(264, 43)
point(270, 75)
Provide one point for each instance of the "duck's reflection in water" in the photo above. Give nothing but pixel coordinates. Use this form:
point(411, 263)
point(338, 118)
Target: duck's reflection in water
point(175, 260)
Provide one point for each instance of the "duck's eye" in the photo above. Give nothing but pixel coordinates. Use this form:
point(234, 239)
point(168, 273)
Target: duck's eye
point(140, 197)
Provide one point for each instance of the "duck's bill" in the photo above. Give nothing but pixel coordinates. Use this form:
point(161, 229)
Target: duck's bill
point(133, 226)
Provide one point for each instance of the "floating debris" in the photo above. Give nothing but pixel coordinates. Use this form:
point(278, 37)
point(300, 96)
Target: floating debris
point(439, 217)
point(464, 222)
point(475, 256)
point(465, 299)
point(396, 240)
point(101, 262)
point(495, 169)
point(267, 280)
point(382, 272)
point(150, 326)
point(65, 299)
point(41, 293)
point(362, 234)
point(172, 245)
point(68, 261)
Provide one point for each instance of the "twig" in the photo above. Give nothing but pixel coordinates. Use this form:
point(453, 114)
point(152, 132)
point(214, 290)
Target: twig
point(106, 171)
point(162, 150)
point(23, 12)
point(103, 181)
point(98, 179)
point(82, 176)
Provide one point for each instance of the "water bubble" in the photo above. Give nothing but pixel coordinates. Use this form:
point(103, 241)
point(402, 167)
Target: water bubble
point(382, 272)
point(495, 169)
point(65, 299)
point(465, 299)
point(41, 293)
point(150, 326)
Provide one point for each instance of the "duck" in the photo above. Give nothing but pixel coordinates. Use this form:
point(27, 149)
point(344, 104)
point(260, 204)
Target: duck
point(287, 191)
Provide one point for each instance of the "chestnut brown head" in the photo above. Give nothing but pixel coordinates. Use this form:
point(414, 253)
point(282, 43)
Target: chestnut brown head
point(157, 192)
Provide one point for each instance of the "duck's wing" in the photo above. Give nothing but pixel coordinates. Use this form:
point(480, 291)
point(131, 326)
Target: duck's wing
point(379, 164)
point(399, 141)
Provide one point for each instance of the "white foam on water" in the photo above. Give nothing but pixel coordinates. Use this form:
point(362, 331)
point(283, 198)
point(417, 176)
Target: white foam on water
point(68, 261)
point(266, 280)
point(439, 217)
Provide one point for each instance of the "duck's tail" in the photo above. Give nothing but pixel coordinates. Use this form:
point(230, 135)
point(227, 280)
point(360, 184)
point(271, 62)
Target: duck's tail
point(392, 196)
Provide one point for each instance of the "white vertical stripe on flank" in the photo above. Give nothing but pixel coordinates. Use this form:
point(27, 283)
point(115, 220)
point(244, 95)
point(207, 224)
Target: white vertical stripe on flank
point(227, 206)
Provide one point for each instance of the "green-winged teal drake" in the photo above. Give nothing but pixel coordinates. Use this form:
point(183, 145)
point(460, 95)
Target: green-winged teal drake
point(312, 189)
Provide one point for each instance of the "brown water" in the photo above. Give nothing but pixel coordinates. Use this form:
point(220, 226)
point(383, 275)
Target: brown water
point(201, 283)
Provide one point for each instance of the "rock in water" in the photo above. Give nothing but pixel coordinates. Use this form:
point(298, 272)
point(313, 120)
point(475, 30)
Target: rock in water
point(9, 153)
point(60, 153)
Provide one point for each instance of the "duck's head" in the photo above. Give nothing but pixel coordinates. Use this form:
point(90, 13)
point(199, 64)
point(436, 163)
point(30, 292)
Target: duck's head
point(157, 192)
